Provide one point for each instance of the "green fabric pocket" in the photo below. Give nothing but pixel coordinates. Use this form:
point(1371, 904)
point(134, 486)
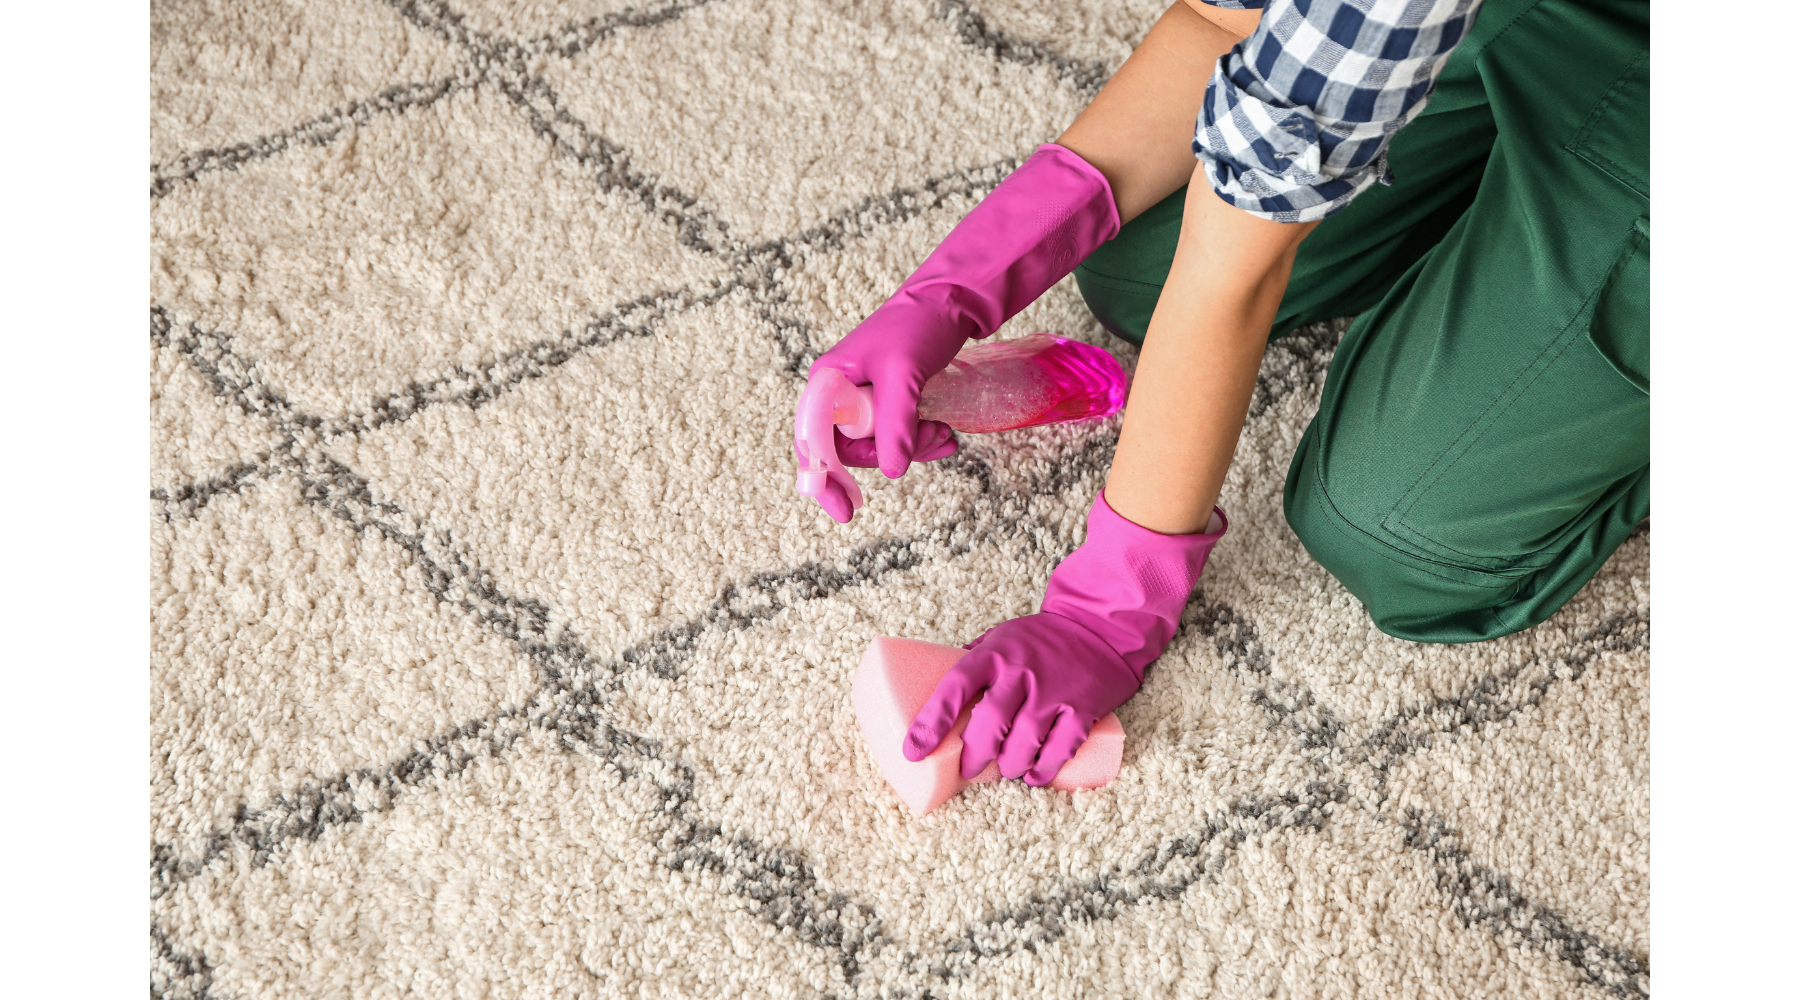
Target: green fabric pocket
point(1616, 135)
point(1620, 327)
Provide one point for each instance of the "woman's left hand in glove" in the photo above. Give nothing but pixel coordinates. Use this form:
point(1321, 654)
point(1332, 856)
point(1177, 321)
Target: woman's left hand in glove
point(1043, 680)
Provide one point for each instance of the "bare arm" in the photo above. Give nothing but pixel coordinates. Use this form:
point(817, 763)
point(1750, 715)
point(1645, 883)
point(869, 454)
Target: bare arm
point(1206, 339)
point(1138, 129)
point(1198, 366)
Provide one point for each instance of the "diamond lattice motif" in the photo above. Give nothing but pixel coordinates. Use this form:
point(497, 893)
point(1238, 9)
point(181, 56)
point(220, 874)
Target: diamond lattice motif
point(494, 655)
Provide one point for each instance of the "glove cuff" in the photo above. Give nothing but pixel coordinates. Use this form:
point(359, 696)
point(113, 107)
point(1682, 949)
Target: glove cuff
point(1128, 584)
point(1026, 235)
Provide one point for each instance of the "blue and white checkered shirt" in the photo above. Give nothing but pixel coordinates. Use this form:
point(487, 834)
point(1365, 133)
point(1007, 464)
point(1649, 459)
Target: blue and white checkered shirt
point(1298, 116)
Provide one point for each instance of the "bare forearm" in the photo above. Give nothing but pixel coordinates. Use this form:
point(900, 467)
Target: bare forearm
point(1138, 130)
point(1199, 362)
point(1206, 338)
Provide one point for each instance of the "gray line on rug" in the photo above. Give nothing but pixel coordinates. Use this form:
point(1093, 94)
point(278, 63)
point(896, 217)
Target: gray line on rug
point(696, 227)
point(780, 888)
point(176, 974)
point(1494, 697)
point(1165, 872)
point(231, 376)
point(1497, 696)
point(320, 130)
point(187, 499)
point(438, 18)
point(507, 65)
point(576, 37)
point(1086, 75)
point(1295, 362)
point(1481, 896)
point(566, 41)
point(1288, 704)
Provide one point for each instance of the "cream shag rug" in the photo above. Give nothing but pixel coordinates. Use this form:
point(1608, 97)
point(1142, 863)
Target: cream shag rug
point(494, 655)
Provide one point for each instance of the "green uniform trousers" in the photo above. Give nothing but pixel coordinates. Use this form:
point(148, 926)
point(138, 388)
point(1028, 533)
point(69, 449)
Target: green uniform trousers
point(1483, 441)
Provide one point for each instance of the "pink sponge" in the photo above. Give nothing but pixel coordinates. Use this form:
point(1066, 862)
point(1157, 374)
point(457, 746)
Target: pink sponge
point(893, 682)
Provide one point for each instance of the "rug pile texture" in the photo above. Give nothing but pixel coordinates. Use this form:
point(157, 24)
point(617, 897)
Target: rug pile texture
point(495, 656)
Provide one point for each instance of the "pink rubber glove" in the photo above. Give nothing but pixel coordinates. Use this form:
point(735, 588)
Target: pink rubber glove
point(1111, 608)
point(935, 441)
point(1025, 236)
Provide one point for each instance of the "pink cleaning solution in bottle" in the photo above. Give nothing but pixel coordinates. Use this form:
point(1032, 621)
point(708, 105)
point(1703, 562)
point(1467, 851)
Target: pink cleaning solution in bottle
point(994, 386)
point(1039, 379)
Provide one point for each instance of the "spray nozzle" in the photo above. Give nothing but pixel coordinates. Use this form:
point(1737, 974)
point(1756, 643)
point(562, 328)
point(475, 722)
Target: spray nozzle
point(830, 400)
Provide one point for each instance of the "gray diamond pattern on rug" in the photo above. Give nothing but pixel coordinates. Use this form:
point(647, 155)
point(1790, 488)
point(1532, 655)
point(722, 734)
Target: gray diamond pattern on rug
point(494, 656)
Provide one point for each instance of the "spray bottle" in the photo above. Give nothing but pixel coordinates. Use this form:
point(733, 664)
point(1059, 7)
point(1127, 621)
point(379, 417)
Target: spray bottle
point(1038, 379)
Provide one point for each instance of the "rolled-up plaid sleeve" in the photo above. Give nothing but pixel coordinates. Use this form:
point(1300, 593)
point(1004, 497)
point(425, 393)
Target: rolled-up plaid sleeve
point(1298, 116)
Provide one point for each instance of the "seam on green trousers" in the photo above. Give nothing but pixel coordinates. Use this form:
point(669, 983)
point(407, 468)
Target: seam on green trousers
point(1398, 519)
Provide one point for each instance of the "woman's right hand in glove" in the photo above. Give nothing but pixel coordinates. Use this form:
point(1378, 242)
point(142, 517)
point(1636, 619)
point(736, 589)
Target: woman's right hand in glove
point(1024, 237)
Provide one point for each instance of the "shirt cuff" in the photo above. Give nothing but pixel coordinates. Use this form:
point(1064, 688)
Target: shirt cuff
point(1268, 160)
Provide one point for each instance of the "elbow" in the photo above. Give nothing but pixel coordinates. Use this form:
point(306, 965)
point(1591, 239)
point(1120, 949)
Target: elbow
point(1238, 23)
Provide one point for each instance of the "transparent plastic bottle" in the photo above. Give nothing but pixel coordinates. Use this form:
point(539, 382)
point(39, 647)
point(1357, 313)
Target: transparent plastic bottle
point(1004, 385)
point(1039, 379)
point(993, 386)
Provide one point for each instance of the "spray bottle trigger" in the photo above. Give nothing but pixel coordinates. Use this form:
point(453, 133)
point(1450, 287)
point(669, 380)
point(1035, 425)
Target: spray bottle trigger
point(814, 440)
